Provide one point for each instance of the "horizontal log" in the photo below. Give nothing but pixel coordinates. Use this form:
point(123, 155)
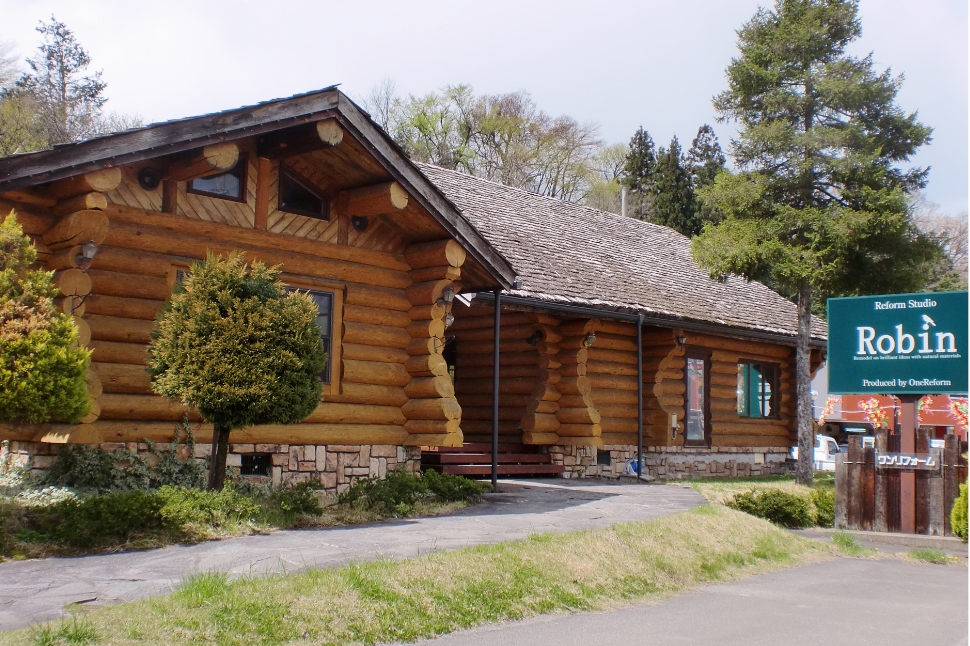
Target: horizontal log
point(611, 368)
point(335, 413)
point(143, 407)
point(110, 283)
point(485, 372)
point(254, 238)
point(573, 356)
point(540, 423)
point(469, 400)
point(546, 392)
point(430, 387)
point(100, 181)
point(427, 329)
point(466, 321)
point(672, 387)
point(542, 406)
point(620, 439)
point(83, 331)
point(427, 365)
point(625, 411)
point(523, 331)
point(77, 228)
point(376, 316)
point(375, 373)
point(73, 305)
point(382, 335)
point(123, 378)
point(133, 308)
point(505, 413)
point(351, 393)
point(618, 425)
point(66, 258)
point(426, 293)
point(510, 386)
point(438, 408)
point(506, 359)
point(435, 253)
point(575, 386)
point(578, 415)
point(483, 429)
point(377, 297)
point(576, 401)
point(615, 342)
point(114, 328)
point(778, 443)
point(370, 201)
point(154, 238)
point(579, 327)
point(72, 282)
point(425, 346)
point(210, 160)
point(27, 196)
point(82, 202)
point(380, 354)
point(94, 411)
point(741, 428)
point(432, 427)
point(579, 430)
point(425, 312)
point(545, 439)
point(30, 220)
point(435, 273)
point(320, 434)
point(612, 382)
point(132, 261)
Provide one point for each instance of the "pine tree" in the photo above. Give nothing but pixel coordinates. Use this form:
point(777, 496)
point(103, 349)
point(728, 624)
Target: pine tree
point(42, 371)
point(673, 202)
point(819, 206)
point(641, 161)
point(705, 160)
point(233, 344)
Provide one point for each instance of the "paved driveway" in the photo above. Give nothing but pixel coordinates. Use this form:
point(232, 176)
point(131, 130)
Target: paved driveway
point(841, 602)
point(33, 591)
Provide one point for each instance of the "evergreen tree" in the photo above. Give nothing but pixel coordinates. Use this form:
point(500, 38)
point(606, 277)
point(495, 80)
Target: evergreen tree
point(673, 201)
point(42, 371)
point(819, 206)
point(233, 344)
point(705, 160)
point(641, 161)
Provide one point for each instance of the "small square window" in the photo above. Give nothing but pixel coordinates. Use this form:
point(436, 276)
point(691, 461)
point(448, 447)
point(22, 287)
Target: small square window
point(230, 185)
point(603, 458)
point(757, 390)
point(299, 196)
point(255, 464)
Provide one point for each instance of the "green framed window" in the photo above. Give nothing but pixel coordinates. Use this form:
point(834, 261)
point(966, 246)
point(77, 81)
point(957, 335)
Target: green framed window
point(758, 389)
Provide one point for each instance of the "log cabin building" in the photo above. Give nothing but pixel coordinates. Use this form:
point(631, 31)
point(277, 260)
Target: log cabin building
point(406, 263)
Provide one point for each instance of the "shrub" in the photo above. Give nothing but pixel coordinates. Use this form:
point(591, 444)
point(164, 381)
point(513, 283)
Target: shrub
point(181, 507)
point(958, 517)
point(98, 520)
point(780, 507)
point(824, 502)
point(402, 489)
point(296, 500)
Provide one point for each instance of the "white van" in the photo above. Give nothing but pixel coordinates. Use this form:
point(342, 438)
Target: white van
point(826, 448)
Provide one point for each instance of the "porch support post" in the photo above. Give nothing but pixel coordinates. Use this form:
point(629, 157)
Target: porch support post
point(495, 367)
point(639, 395)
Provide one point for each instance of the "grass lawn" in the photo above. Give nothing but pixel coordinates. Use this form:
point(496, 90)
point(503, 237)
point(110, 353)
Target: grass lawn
point(721, 489)
point(406, 600)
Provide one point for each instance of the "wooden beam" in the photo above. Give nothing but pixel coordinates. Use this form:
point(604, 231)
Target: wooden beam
point(299, 140)
point(376, 199)
point(81, 202)
point(76, 229)
point(211, 160)
point(264, 170)
point(98, 181)
point(27, 197)
point(170, 194)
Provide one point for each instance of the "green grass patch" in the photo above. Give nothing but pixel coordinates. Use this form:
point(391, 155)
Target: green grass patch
point(847, 545)
point(926, 555)
point(392, 601)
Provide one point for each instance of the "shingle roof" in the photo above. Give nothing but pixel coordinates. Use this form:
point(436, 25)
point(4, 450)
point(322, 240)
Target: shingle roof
point(571, 254)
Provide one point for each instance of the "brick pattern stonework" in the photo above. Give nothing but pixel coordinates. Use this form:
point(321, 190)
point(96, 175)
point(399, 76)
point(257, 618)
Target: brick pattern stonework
point(672, 462)
point(335, 466)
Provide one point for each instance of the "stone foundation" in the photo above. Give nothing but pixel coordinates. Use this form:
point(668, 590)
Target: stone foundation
point(672, 462)
point(334, 466)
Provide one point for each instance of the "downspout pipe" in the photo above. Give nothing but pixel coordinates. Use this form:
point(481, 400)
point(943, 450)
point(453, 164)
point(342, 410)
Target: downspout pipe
point(495, 363)
point(639, 396)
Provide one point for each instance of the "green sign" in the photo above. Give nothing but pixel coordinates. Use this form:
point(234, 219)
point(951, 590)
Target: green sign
point(901, 343)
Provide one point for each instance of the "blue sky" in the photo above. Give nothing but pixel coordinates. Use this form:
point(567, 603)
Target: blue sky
point(619, 64)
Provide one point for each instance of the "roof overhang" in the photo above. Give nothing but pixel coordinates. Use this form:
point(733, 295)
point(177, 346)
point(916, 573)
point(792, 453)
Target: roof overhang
point(167, 138)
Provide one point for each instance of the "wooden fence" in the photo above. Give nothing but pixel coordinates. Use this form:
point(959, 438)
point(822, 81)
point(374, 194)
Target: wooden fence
point(870, 496)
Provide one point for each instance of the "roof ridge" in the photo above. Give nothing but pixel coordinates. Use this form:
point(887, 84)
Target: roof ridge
point(610, 215)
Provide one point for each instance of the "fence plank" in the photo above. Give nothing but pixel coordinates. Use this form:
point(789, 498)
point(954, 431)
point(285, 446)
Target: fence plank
point(883, 481)
point(853, 490)
point(841, 492)
point(867, 477)
point(951, 478)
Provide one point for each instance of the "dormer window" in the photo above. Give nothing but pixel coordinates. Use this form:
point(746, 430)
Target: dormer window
point(230, 185)
point(299, 196)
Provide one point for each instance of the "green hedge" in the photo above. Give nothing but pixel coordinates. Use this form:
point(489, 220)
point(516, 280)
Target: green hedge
point(787, 509)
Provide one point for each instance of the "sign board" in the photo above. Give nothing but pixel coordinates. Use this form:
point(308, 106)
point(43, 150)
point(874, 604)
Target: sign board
point(898, 344)
point(909, 461)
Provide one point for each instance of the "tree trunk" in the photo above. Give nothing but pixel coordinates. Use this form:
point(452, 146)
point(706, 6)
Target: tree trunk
point(217, 460)
point(803, 378)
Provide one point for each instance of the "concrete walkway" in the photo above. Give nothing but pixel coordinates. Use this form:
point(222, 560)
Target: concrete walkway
point(35, 591)
point(842, 602)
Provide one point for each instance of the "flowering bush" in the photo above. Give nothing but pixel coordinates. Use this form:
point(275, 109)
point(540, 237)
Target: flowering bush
point(45, 497)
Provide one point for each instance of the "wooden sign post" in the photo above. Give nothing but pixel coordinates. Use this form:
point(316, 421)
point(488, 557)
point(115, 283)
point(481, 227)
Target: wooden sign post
point(907, 479)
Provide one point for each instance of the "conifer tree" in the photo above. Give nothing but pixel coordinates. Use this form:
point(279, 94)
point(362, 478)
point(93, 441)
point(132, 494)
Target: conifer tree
point(673, 202)
point(42, 371)
point(705, 160)
point(641, 161)
point(233, 344)
point(819, 206)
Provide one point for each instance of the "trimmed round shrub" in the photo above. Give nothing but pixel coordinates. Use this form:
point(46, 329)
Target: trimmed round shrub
point(779, 507)
point(958, 517)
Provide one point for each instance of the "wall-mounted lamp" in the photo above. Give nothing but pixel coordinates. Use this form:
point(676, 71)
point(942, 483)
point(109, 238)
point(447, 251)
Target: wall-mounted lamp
point(359, 222)
point(674, 425)
point(516, 284)
point(681, 340)
point(589, 340)
point(447, 296)
point(149, 178)
point(88, 251)
point(534, 338)
point(449, 319)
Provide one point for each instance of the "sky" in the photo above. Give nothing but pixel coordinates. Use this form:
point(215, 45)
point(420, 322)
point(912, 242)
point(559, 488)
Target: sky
point(619, 64)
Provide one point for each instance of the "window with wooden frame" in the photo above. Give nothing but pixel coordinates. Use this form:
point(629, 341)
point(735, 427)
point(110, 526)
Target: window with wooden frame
point(758, 389)
point(230, 185)
point(697, 400)
point(328, 298)
point(298, 195)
